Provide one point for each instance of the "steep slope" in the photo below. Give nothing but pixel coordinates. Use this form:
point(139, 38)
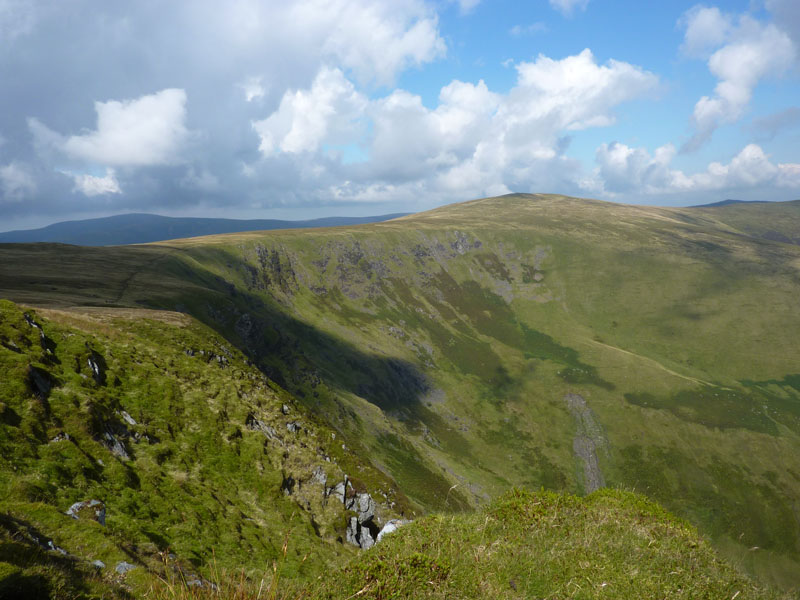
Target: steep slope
point(131, 435)
point(525, 340)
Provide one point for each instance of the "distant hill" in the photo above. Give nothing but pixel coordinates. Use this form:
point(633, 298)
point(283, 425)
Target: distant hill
point(728, 202)
point(141, 228)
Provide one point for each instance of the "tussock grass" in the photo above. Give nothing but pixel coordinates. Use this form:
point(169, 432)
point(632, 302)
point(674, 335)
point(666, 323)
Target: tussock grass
point(611, 544)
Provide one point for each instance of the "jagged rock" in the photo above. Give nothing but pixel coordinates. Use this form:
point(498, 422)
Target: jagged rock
point(318, 476)
point(52, 546)
point(43, 342)
point(462, 244)
point(337, 491)
point(116, 447)
point(293, 427)
point(359, 535)
point(191, 579)
point(257, 425)
point(127, 418)
point(11, 346)
point(29, 320)
point(93, 509)
point(60, 437)
point(389, 527)
point(288, 485)
point(365, 539)
point(123, 567)
point(364, 505)
point(95, 364)
point(98, 564)
point(352, 531)
point(285, 409)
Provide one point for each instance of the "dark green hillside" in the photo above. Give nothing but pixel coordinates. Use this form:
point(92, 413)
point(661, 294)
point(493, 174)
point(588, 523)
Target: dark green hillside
point(531, 340)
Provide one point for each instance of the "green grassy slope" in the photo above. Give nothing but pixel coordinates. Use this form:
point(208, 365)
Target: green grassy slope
point(162, 434)
point(776, 222)
point(525, 340)
point(610, 544)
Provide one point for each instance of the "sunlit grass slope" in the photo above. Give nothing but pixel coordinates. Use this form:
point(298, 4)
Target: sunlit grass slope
point(610, 544)
point(158, 431)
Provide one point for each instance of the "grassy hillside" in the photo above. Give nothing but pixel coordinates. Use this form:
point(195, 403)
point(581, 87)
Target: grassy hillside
point(190, 453)
point(527, 340)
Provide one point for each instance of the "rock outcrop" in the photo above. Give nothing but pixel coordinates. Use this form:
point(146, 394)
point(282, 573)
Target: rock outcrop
point(91, 509)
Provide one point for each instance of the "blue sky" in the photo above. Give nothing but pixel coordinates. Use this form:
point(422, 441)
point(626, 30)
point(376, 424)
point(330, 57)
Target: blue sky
point(256, 108)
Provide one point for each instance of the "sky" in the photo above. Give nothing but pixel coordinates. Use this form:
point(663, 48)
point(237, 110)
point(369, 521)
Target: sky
point(310, 108)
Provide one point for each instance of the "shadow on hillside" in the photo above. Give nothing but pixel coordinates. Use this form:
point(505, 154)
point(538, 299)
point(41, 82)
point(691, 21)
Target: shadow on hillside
point(306, 360)
point(41, 570)
point(299, 356)
point(296, 355)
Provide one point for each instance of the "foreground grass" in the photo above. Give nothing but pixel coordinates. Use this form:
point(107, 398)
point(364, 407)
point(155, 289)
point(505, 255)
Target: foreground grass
point(611, 544)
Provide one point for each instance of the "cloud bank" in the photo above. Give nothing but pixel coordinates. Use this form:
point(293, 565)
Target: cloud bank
point(256, 105)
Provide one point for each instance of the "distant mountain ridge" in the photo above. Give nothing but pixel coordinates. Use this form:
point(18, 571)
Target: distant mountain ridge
point(142, 228)
point(728, 202)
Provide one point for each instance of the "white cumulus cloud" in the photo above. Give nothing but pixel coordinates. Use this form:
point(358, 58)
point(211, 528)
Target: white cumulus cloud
point(252, 88)
point(16, 182)
point(706, 28)
point(574, 92)
point(467, 6)
point(624, 169)
point(92, 185)
point(473, 141)
point(568, 7)
point(750, 51)
point(376, 39)
point(149, 130)
point(328, 112)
